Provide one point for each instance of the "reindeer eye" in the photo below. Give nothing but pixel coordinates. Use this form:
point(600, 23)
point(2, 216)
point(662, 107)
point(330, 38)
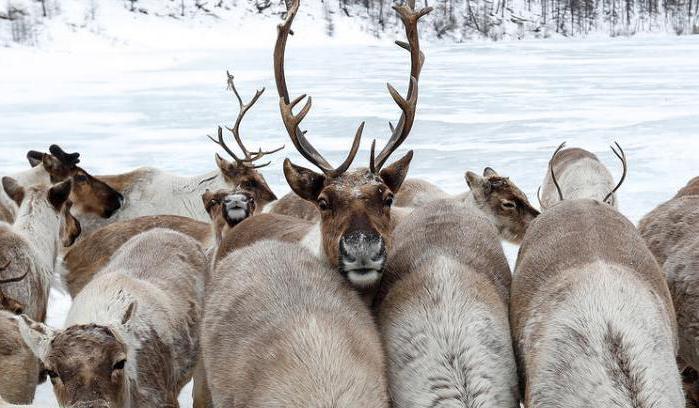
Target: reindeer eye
point(250, 184)
point(80, 178)
point(119, 365)
point(388, 201)
point(323, 204)
point(508, 205)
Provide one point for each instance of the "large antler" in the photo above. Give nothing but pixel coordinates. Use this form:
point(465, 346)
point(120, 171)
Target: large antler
point(408, 105)
point(286, 105)
point(622, 156)
point(249, 158)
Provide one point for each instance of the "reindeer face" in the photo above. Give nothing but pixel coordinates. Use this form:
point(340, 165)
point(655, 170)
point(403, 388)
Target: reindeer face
point(246, 179)
point(19, 366)
point(93, 196)
point(227, 208)
point(505, 204)
point(355, 210)
point(86, 363)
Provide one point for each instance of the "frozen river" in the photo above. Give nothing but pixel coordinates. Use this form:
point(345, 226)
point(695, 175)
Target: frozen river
point(505, 105)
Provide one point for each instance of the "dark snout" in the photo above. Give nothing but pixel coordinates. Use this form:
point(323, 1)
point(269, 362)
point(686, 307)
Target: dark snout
point(237, 207)
point(362, 257)
point(115, 202)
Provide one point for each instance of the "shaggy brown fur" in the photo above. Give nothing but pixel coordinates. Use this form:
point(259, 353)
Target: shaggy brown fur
point(566, 246)
point(443, 311)
point(283, 330)
point(19, 368)
point(294, 206)
point(92, 253)
point(262, 227)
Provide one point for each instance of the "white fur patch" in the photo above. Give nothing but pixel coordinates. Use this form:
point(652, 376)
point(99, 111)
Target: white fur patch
point(610, 330)
point(363, 279)
point(236, 214)
point(313, 241)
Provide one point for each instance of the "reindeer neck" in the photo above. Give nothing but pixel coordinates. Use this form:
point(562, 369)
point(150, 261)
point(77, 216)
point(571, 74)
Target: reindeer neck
point(40, 227)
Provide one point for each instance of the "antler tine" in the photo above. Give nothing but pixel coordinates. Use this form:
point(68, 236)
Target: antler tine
point(408, 105)
point(225, 147)
point(291, 121)
point(538, 197)
point(622, 156)
point(553, 174)
point(244, 108)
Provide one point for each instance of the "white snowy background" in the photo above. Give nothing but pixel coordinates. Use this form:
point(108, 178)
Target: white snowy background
point(143, 91)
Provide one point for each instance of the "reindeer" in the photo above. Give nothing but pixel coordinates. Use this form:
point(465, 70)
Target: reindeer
point(89, 195)
point(592, 318)
point(354, 230)
point(90, 255)
point(576, 173)
point(31, 244)
point(132, 333)
point(149, 191)
point(443, 311)
point(281, 329)
point(671, 231)
point(20, 368)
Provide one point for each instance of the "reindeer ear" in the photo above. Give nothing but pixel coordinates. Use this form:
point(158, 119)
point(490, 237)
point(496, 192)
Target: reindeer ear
point(395, 174)
point(35, 158)
point(59, 193)
point(13, 190)
point(71, 229)
point(489, 172)
point(36, 335)
point(222, 163)
point(306, 183)
point(476, 183)
point(206, 199)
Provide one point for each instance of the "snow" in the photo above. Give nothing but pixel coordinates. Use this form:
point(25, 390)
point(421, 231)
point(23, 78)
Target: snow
point(506, 105)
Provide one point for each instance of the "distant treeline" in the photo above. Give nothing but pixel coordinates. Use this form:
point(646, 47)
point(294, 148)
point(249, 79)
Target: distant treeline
point(455, 20)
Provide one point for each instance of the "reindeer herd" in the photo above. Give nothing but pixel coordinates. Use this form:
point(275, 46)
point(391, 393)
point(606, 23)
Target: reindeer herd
point(360, 288)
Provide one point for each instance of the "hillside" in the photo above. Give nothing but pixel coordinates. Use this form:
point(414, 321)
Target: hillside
point(146, 22)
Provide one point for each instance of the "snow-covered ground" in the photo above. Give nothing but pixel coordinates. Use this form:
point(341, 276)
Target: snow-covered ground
point(505, 105)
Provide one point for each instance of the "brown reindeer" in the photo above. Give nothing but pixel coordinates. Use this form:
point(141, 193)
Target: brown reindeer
point(32, 243)
point(443, 312)
point(132, 333)
point(355, 225)
point(591, 314)
point(281, 330)
point(90, 195)
point(91, 254)
point(671, 231)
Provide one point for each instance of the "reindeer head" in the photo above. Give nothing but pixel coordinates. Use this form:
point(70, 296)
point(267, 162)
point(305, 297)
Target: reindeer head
point(227, 208)
point(355, 206)
point(89, 194)
point(20, 368)
point(610, 198)
point(48, 204)
point(505, 204)
point(87, 364)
